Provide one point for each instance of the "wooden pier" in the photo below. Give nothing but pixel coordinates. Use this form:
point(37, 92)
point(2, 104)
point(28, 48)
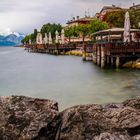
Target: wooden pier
point(110, 50)
point(51, 48)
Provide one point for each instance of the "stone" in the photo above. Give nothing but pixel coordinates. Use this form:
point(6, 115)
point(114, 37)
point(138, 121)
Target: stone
point(133, 102)
point(87, 122)
point(25, 118)
point(81, 122)
point(114, 136)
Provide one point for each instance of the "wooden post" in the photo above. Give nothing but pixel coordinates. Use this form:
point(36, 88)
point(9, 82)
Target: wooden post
point(108, 60)
point(112, 61)
point(98, 56)
point(102, 57)
point(84, 53)
point(117, 62)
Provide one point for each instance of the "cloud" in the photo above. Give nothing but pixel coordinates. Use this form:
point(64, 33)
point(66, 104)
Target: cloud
point(5, 31)
point(24, 16)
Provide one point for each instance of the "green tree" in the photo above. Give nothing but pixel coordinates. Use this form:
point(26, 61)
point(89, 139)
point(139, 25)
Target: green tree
point(46, 28)
point(115, 18)
point(71, 32)
point(97, 25)
point(83, 30)
point(135, 18)
point(94, 26)
point(34, 35)
point(26, 39)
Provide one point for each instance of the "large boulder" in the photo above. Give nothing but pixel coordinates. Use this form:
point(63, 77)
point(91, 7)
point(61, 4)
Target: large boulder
point(87, 122)
point(113, 136)
point(81, 122)
point(133, 102)
point(25, 118)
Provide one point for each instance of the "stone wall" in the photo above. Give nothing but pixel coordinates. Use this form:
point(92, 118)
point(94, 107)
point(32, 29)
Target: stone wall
point(25, 118)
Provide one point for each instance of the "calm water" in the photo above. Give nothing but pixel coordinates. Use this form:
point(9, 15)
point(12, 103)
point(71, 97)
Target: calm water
point(66, 79)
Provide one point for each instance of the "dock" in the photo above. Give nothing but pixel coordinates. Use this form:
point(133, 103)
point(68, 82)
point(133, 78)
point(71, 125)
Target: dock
point(110, 50)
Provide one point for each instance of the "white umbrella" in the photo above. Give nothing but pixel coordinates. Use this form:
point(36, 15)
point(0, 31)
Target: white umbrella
point(30, 42)
point(126, 34)
point(50, 38)
point(63, 36)
point(39, 38)
point(46, 38)
point(56, 36)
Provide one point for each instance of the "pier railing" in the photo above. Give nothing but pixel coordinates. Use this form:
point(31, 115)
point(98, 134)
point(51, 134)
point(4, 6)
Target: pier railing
point(118, 47)
point(133, 47)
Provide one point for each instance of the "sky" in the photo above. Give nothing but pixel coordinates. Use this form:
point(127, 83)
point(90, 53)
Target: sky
point(25, 15)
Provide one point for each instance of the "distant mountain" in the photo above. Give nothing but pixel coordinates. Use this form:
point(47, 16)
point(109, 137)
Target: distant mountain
point(13, 39)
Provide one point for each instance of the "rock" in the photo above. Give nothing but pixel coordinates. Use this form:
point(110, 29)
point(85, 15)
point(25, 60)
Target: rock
point(24, 118)
point(114, 136)
point(129, 64)
point(85, 122)
point(137, 137)
point(134, 102)
point(80, 122)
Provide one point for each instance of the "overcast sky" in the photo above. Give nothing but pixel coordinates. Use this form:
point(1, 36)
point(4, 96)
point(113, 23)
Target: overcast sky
point(25, 15)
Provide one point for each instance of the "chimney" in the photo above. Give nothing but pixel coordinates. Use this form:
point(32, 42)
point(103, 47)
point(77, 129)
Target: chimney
point(77, 17)
point(133, 4)
point(113, 5)
point(73, 18)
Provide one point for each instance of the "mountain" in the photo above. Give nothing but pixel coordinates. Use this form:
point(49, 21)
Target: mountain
point(13, 39)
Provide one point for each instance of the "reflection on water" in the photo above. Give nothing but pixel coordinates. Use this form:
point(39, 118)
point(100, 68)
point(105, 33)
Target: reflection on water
point(66, 79)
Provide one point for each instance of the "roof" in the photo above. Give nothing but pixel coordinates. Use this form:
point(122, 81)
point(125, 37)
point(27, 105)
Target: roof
point(114, 31)
point(110, 7)
point(81, 20)
point(135, 6)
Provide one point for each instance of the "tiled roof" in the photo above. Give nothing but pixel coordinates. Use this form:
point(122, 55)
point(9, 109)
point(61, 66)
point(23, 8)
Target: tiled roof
point(81, 19)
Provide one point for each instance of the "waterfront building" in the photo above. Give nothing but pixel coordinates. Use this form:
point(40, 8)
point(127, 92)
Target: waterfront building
point(137, 7)
point(106, 9)
point(77, 20)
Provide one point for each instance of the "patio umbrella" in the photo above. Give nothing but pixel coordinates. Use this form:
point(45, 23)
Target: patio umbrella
point(46, 38)
point(30, 42)
point(50, 38)
point(56, 36)
point(39, 38)
point(62, 36)
point(126, 34)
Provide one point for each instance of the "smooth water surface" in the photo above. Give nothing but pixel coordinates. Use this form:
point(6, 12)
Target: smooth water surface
point(66, 79)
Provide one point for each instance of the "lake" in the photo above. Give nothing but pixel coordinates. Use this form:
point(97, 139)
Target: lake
point(65, 79)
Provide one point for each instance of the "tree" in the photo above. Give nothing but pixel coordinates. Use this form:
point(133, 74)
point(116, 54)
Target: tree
point(83, 30)
point(46, 28)
point(26, 39)
point(94, 26)
point(71, 32)
point(135, 18)
point(115, 18)
point(97, 25)
point(34, 36)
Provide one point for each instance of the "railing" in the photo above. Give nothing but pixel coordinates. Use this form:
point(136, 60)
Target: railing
point(118, 47)
point(124, 48)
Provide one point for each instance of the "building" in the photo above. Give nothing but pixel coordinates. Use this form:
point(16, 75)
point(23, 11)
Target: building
point(77, 20)
point(137, 7)
point(107, 9)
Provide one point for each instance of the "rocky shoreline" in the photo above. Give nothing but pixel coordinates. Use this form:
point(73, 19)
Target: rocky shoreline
point(25, 118)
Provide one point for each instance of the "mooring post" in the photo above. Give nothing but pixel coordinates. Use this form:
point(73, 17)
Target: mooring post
point(84, 53)
point(108, 60)
point(102, 57)
point(117, 62)
point(112, 61)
